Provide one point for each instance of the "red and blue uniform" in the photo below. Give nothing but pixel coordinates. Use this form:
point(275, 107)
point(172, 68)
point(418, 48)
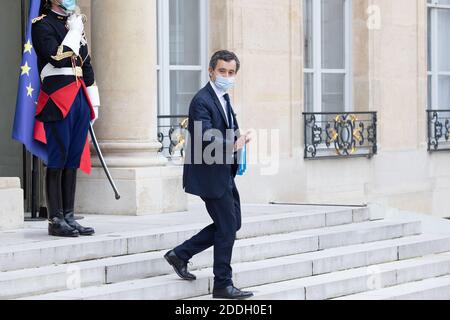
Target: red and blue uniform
point(64, 108)
point(66, 105)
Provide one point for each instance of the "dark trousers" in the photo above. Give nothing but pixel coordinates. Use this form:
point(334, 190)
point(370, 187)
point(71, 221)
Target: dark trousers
point(67, 138)
point(226, 215)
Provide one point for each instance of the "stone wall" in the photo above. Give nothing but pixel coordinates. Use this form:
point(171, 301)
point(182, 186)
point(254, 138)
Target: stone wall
point(389, 76)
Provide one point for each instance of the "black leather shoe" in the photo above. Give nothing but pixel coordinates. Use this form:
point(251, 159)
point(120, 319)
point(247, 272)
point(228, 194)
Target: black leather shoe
point(57, 226)
point(70, 219)
point(69, 183)
point(231, 293)
point(179, 266)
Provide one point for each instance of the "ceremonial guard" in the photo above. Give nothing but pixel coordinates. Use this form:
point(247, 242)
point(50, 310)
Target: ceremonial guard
point(67, 103)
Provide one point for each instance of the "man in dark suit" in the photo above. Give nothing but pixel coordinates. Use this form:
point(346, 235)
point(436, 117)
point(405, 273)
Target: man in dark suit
point(209, 172)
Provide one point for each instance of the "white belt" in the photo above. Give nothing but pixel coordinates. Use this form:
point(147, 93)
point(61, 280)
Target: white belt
point(50, 70)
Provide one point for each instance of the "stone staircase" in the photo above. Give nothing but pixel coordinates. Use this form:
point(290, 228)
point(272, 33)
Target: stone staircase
point(326, 253)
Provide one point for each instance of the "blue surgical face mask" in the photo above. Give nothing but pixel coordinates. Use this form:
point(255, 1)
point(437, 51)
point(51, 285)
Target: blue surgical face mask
point(225, 84)
point(68, 5)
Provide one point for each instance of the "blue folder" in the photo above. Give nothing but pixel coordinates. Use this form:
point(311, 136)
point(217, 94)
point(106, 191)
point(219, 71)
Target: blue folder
point(242, 161)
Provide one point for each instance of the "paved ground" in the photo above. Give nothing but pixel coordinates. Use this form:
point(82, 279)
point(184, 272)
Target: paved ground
point(114, 225)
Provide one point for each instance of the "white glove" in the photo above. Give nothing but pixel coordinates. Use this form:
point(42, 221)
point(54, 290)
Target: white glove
point(96, 111)
point(75, 34)
point(94, 95)
point(75, 23)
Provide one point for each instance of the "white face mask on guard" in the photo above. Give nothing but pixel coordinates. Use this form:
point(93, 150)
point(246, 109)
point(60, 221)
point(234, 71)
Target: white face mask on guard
point(69, 6)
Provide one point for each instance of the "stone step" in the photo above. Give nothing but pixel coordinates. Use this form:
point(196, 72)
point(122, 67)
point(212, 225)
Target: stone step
point(348, 282)
point(139, 266)
point(430, 289)
point(264, 272)
point(39, 254)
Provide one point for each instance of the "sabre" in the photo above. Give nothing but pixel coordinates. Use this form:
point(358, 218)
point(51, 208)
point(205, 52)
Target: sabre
point(102, 160)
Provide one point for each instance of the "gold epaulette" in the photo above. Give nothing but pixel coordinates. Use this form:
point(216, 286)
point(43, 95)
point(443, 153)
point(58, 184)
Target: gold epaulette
point(38, 18)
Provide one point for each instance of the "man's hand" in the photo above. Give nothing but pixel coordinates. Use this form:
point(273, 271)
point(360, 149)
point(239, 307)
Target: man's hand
point(242, 141)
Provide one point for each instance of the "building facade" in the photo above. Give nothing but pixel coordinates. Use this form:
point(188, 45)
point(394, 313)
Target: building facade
point(337, 92)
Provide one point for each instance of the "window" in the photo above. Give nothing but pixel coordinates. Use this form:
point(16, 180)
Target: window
point(438, 54)
point(327, 55)
point(182, 53)
point(182, 67)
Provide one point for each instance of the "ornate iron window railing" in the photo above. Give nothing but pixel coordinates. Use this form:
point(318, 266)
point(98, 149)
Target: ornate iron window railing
point(340, 135)
point(438, 130)
point(172, 131)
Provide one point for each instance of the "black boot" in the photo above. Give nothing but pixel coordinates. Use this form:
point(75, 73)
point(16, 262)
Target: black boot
point(69, 183)
point(57, 226)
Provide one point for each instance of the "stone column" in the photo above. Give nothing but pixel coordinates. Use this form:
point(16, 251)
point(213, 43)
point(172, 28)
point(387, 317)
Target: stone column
point(124, 46)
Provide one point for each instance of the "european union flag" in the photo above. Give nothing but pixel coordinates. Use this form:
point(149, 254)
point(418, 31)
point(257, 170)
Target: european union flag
point(29, 87)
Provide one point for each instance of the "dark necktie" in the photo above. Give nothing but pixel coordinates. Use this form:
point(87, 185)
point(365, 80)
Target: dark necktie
point(229, 113)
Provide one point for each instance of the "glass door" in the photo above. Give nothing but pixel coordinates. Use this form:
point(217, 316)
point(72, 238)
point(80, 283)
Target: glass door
point(11, 153)
point(15, 161)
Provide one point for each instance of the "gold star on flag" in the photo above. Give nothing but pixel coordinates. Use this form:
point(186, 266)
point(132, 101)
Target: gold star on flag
point(25, 69)
point(28, 46)
point(30, 91)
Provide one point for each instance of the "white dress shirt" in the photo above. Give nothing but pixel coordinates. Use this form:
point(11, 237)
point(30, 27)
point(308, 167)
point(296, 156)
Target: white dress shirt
point(220, 93)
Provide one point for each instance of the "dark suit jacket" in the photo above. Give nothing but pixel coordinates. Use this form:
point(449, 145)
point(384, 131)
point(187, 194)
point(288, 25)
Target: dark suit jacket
point(202, 178)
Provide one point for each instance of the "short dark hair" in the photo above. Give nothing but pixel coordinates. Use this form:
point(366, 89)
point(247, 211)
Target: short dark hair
point(226, 56)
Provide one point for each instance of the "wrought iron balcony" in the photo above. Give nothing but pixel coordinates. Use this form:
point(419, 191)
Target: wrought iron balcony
point(340, 135)
point(438, 130)
point(172, 135)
